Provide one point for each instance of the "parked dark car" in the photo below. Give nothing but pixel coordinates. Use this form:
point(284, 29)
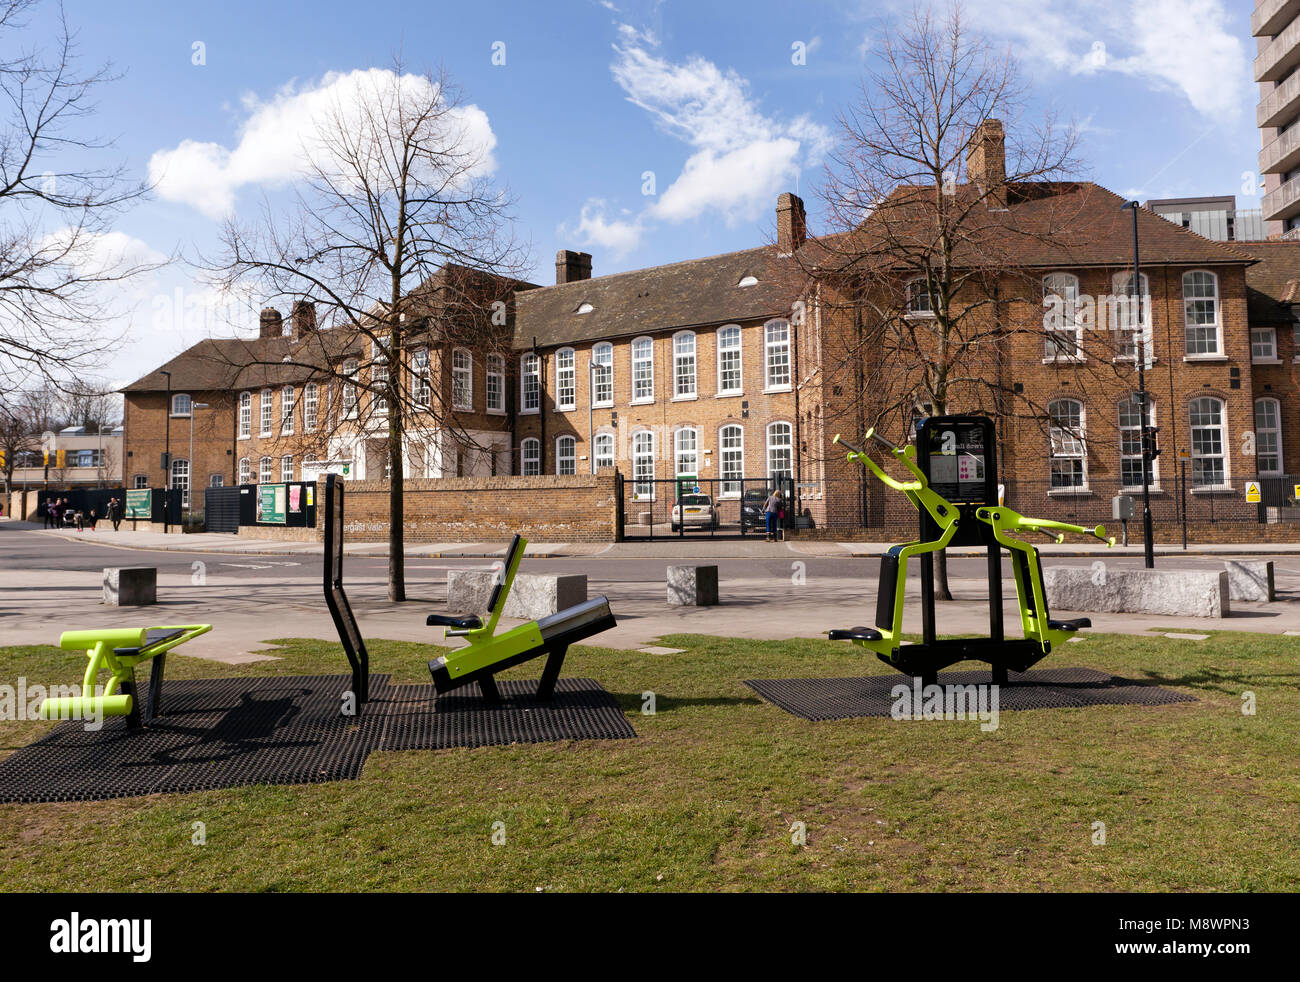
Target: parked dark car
point(751, 508)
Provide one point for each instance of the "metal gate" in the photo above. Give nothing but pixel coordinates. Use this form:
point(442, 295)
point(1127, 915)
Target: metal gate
point(691, 507)
point(221, 509)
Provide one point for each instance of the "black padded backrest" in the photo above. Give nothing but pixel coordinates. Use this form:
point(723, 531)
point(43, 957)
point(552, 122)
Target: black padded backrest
point(885, 591)
point(498, 591)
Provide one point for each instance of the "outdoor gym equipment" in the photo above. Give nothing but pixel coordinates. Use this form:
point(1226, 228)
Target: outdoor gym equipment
point(953, 487)
point(119, 650)
point(487, 653)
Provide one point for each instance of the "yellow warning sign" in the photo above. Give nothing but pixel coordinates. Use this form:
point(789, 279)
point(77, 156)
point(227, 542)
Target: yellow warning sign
point(1252, 492)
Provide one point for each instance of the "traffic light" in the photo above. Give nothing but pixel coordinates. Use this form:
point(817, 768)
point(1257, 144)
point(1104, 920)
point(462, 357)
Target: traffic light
point(1149, 441)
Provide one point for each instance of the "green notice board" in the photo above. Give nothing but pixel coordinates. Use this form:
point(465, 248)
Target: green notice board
point(272, 503)
point(139, 503)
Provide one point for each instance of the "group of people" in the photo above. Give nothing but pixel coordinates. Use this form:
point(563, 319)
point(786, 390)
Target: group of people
point(59, 513)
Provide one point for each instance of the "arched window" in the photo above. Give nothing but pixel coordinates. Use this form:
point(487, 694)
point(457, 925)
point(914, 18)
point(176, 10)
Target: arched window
point(496, 384)
point(1123, 312)
point(1268, 436)
point(729, 376)
point(687, 452)
point(566, 379)
point(530, 454)
point(643, 370)
point(1068, 444)
point(604, 450)
point(1063, 335)
point(731, 444)
point(264, 473)
point(530, 386)
point(462, 380)
point(919, 301)
point(350, 368)
point(780, 450)
point(287, 399)
point(602, 375)
point(245, 415)
point(1130, 442)
point(421, 388)
point(264, 413)
point(1201, 312)
point(566, 455)
point(286, 468)
point(684, 365)
point(245, 471)
point(181, 404)
point(310, 407)
point(181, 479)
point(643, 464)
point(1209, 442)
point(776, 346)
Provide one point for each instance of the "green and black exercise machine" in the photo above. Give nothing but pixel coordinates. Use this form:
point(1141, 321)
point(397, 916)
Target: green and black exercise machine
point(953, 486)
point(489, 653)
point(119, 650)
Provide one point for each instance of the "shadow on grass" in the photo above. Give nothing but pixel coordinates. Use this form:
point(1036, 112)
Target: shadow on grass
point(1229, 683)
point(633, 701)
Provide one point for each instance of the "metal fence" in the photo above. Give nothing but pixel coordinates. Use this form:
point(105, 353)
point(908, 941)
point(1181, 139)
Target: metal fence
point(701, 507)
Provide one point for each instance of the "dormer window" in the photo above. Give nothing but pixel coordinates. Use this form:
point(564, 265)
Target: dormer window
point(584, 308)
point(748, 280)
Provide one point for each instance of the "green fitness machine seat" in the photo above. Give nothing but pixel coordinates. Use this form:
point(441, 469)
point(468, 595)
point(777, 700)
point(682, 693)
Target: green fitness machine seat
point(489, 653)
point(119, 650)
point(953, 487)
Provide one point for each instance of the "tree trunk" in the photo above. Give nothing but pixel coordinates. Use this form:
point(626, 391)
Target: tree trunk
point(941, 576)
point(396, 536)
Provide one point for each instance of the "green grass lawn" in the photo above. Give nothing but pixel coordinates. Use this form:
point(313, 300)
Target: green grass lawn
point(1195, 796)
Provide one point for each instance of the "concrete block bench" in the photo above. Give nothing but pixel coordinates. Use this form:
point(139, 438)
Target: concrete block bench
point(533, 596)
point(693, 586)
point(1250, 580)
point(1172, 592)
point(130, 586)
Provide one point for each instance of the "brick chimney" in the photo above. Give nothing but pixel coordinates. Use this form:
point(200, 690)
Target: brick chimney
point(271, 324)
point(986, 163)
point(572, 266)
point(791, 224)
point(303, 317)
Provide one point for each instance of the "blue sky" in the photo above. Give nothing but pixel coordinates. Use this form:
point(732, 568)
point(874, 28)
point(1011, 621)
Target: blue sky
point(594, 94)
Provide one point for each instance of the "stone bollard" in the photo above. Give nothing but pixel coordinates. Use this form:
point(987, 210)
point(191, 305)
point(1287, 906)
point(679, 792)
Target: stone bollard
point(130, 586)
point(1250, 580)
point(533, 595)
point(1171, 592)
point(693, 586)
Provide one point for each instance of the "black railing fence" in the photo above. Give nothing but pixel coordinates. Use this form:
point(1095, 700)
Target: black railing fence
point(693, 507)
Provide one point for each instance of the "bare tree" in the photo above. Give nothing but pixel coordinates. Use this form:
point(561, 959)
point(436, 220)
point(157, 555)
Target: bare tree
point(923, 258)
point(58, 200)
point(25, 417)
point(400, 241)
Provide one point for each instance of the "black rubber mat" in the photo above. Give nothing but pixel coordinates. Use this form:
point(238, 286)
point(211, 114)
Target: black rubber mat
point(222, 733)
point(1047, 688)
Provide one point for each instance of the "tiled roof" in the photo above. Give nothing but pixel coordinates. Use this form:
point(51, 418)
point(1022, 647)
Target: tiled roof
point(1273, 283)
point(687, 294)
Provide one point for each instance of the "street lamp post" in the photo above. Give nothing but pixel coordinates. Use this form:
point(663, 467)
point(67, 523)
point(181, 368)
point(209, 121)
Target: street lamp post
point(167, 449)
point(1144, 414)
point(189, 491)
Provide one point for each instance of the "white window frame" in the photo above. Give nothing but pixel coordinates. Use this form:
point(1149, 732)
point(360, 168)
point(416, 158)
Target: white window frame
point(245, 470)
point(1275, 432)
point(686, 448)
point(179, 479)
point(286, 468)
point(566, 380)
point(188, 404)
point(287, 404)
point(731, 460)
point(777, 356)
point(685, 366)
point(774, 448)
point(1126, 346)
point(245, 415)
point(1198, 455)
point(530, 384)
point(1064, 344)
point(603, 450)
point(310, 407)
point(462, 380)
point(265, 412)
point(643, 370)
point(265, 471)
point(643, 465)
point(1129, 428)
point(920, 302)
point(141, 481)
point(1067, 443)
point(496, 384)
point(1216, 325)
point(566, 455)
point(349, 399)
point(602, 375)
point(530, 457)
point(727, 352)
point(378, 382)
point(421, 384)
point(1263, 346)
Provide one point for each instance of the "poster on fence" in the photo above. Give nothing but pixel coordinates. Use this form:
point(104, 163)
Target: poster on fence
point(271, 503)
point(139, 504)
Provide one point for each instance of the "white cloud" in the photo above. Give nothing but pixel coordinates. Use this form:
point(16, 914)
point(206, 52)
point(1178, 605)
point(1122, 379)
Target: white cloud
point(594, 228)
point(1184, 46)
point(279, 136)
point(743, 158)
